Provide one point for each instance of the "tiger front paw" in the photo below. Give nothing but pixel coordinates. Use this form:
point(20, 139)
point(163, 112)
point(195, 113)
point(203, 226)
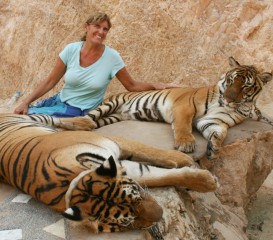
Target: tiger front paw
point(206, 182)
point(181, 159)
point(185, 144)
point(78, 123)
point(212, 151)
point(201, 180)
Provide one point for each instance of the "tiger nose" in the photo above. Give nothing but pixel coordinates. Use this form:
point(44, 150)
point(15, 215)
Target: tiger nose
point(154, 212)
point(229, 100)
point(149, 213)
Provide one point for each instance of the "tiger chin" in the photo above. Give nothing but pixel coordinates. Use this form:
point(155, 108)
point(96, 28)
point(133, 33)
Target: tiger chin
point(91, 179)
point(211, 110)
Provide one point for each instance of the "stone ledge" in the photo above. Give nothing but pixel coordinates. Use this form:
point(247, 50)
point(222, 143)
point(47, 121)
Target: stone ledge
point(244, 163)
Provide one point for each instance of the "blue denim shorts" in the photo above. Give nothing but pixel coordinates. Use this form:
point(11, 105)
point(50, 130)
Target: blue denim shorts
point(53, 106)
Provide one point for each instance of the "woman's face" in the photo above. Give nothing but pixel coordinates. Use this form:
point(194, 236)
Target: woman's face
point(97, 32)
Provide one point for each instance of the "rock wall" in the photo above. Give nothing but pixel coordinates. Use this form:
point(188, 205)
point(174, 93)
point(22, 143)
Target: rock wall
point(183, 42)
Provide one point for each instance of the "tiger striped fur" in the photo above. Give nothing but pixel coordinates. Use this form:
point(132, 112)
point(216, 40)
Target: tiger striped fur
point(211, 110)
point(79, 173)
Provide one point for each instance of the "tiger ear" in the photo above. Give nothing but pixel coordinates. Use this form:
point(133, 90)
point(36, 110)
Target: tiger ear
point(265, 77)
point(233, 62)
point(73, 213)
point(108, 168)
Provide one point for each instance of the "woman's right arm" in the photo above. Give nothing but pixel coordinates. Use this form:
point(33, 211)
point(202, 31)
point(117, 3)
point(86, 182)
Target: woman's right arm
point(45, 86)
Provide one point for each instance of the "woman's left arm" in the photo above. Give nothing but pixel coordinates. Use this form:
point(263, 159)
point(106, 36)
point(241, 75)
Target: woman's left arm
point(134, 86)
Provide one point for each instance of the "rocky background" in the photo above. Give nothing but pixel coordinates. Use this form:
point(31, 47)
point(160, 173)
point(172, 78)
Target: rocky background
point(182, 42)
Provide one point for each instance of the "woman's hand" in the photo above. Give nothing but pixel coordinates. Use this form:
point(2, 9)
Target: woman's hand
point(21, 109)
point(134, 86)
point(46, 85)
point(161, 86)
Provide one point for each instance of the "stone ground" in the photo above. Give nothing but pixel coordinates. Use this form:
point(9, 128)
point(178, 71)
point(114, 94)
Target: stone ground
point(25, 218)
point(260, 214)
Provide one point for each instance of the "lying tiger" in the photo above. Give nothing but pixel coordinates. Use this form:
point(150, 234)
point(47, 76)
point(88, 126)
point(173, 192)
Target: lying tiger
point(79, 173)
point(212, 110)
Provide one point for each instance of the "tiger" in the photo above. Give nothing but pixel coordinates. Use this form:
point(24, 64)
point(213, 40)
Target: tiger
point(211, 110)
point(94, 180)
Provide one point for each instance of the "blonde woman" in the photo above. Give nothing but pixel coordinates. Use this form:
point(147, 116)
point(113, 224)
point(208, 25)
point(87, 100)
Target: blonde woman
point(88, 67)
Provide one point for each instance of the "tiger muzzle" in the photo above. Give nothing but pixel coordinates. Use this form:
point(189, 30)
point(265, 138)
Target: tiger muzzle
point(149, 212)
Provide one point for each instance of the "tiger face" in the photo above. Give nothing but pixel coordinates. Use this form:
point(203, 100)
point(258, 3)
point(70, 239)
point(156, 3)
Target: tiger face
point(242, 84)
point(110, 201)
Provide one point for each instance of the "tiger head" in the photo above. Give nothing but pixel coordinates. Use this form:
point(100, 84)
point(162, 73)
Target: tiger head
point(109, 201)
point(242, 84)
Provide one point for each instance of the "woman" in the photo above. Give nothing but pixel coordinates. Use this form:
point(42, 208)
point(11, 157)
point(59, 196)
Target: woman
point(88, 66)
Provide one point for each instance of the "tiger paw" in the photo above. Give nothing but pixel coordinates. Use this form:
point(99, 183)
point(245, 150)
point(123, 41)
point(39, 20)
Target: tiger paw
point(185, 144)
point(212, 155)
point(181, 159)
point(78, 123)
point(212, 151)
point(199, 180)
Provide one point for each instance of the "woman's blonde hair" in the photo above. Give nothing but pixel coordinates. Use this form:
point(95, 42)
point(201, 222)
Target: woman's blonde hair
point(97, 18)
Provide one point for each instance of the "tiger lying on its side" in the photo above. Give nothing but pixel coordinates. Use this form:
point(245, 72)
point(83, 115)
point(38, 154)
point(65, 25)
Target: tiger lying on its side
point(79, 173)
point(212, 110)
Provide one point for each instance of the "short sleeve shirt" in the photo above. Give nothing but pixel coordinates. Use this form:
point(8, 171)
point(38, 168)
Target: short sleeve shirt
point(85, 87)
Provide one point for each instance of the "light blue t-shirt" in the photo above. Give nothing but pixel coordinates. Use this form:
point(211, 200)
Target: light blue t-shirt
point(85, 87)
